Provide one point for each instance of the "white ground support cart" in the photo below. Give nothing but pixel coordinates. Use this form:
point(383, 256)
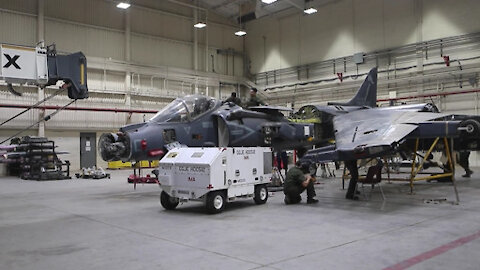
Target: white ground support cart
point(214, 175)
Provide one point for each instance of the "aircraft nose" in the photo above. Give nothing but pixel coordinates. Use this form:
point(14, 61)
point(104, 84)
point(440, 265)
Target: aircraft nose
point(146, 144)
point(114, 146)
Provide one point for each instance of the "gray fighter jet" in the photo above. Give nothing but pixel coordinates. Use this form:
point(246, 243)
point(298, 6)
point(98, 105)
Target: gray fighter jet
point(361, 130)
point(197, 120)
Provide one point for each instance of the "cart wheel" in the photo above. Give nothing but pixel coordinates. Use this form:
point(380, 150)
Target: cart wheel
point(168, 202)
point(261, 194)
point(215, 202)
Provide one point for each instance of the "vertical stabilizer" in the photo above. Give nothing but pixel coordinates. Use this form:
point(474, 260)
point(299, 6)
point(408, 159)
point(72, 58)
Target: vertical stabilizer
point(367, 93)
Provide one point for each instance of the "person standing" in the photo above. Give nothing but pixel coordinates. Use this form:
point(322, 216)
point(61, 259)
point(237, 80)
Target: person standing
point(254, 99)
point(463, 157)
point(352, 185)
point(233, 98)
point(282, 159)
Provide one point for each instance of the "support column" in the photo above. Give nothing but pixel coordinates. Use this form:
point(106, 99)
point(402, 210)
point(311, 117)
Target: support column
point(41, 38)
point(128, 81)
point(195, 46)
point(419, 40)
point(206, 53)
point(206, 42)
point(419, 33)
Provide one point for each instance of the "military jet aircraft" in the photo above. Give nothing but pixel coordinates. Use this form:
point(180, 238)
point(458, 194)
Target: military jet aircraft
point(361, 130)
point(197, 120)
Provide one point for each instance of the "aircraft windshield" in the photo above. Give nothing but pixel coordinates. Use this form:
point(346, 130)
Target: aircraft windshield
point(186, 109)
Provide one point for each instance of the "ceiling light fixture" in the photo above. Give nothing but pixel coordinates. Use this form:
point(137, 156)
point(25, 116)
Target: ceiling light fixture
point(269, 1)
point(310, 10)
point(123, 5)
point(240, 33)
point(200, 25)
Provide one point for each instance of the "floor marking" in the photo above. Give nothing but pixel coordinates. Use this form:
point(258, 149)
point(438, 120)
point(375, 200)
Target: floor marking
point(434, 252)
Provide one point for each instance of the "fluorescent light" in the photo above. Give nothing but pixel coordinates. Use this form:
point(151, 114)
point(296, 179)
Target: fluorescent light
point(269, 1)
point(310, 10)
point(199, 25)
point(123, 5)
point(240, 33)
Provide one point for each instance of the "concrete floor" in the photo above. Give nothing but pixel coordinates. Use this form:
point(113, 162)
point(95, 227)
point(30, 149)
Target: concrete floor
point(105, 224)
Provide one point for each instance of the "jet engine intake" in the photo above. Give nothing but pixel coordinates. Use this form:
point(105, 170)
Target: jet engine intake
point(114, 146)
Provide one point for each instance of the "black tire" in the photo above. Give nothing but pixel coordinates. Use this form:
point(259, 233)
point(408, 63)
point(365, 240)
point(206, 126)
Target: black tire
point(261, 194)
point(472, 128)
point(215, 202)
point(168, 202)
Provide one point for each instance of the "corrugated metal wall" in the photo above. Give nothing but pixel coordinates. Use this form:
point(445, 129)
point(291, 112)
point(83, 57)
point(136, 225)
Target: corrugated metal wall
point(159, 39)
point(18, 28)
point(90, 12)
point(92, 41)
point(158, 51)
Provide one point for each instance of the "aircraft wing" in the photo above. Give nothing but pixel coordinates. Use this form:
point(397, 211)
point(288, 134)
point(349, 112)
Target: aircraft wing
point(371, 127)
point(373, 132)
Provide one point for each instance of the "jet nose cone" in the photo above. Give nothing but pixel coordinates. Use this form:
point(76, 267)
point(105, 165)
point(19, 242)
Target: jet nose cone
point(113, 146)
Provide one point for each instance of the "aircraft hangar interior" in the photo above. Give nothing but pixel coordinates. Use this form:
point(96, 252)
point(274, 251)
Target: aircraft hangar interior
point(239, 134)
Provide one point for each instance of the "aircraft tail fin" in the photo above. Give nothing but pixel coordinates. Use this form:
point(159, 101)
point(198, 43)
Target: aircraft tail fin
point(366, 94)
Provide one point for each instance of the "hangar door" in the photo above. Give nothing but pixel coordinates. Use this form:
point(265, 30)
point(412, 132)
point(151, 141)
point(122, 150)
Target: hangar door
point(88, 150)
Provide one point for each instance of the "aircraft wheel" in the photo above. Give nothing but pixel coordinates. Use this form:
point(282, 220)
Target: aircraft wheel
point(261, 194)
point(215, 202)
point(472, 127)
point(168, 202)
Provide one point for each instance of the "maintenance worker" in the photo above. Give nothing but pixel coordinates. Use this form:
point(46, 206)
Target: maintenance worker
point(296, 182)
point(233, 98)
point(254, 99)
point(352, 185)
point(282, 159)
point(463, 161)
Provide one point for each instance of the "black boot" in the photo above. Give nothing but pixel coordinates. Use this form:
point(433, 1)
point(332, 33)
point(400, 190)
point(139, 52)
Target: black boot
point(312, 200)
point(467, 173)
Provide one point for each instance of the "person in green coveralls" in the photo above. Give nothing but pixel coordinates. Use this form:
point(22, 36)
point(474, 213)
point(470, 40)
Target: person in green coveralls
point(298, 181)
point(254, 99)
point(233, 98)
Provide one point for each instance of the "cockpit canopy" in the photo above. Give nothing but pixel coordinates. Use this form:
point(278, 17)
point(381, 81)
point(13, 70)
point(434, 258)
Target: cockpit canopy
point(311, 114)
point(185, 109)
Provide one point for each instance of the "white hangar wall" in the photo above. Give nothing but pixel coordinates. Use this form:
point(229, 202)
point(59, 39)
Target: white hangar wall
point(138, 62)
point(296, 57)
point(345, 27)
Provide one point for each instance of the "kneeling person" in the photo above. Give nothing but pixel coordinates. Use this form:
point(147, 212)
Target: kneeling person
point(296, 182)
